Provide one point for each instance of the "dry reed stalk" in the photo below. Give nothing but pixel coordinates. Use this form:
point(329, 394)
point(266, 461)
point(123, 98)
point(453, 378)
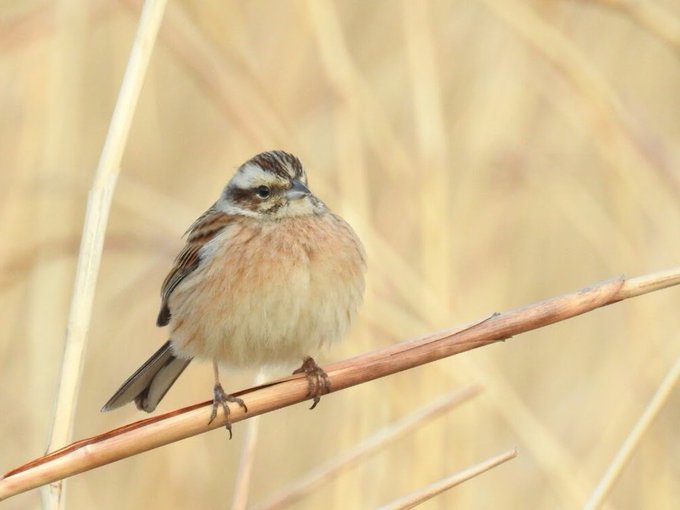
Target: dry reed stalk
point(633, 440)
point(157, 431)
point(60, 147)
point(328, 471)
point(96, 217)
point(239, 500)
point(557, 463)
point(429, 492)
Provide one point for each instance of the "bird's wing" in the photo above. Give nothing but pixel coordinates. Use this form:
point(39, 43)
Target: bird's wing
point(205, 228)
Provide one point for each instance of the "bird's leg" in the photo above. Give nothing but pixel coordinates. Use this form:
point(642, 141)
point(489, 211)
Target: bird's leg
point(317, 380)
point(220, 398)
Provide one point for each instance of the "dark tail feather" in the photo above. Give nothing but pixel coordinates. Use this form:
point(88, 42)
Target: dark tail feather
point(149, 384)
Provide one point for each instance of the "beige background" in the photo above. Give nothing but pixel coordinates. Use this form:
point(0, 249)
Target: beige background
point(489, 153)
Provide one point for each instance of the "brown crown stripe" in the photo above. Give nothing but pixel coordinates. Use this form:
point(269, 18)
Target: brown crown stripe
point(279, 163)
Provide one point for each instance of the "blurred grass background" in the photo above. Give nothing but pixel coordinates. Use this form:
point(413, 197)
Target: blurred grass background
point(490, 154)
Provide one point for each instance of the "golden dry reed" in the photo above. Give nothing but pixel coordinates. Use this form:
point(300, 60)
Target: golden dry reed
point(490, 153)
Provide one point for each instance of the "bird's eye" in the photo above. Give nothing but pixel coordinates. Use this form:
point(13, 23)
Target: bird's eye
point(263, 191)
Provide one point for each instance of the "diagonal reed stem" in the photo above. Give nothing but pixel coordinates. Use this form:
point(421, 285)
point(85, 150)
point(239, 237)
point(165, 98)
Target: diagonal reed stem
point(628, 447)
point(381, 439)
point(160, 430)
point(426, 493)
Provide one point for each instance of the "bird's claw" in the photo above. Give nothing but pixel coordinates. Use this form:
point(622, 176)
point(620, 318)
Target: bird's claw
point(220, 399)
point(318, 382)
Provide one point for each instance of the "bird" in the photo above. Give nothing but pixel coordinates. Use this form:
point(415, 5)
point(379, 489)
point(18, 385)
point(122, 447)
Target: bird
point(267, 277)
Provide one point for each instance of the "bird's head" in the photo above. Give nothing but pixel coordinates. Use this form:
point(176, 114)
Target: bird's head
point(270, 186)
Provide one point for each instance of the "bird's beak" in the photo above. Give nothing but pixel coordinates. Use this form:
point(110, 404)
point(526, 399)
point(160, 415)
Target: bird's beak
point(297, 191)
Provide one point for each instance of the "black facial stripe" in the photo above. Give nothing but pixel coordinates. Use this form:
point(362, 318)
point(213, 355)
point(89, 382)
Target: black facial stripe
point(241, 196)
point(248, 199)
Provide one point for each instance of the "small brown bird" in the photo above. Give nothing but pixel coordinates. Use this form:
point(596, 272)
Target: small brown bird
point(268, 275)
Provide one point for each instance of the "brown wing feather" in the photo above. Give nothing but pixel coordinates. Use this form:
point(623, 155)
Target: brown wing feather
point(205, 228)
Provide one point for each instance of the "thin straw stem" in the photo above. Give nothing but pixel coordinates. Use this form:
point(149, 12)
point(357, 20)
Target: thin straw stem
point(426, 493)
point(92, 242)
point(239, 500)
point(628, 447)
point(371, 445)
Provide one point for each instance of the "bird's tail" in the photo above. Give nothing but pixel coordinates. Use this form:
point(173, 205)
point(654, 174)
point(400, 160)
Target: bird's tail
point(149, 384)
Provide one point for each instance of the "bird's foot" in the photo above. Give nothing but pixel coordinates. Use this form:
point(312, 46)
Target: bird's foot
point(220, 399)
point(317, 380)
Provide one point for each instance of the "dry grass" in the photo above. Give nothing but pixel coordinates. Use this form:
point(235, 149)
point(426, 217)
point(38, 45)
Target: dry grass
point(489, 153)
